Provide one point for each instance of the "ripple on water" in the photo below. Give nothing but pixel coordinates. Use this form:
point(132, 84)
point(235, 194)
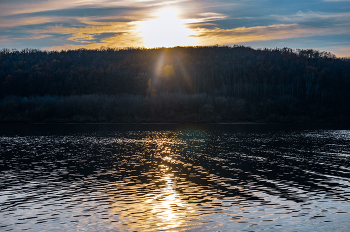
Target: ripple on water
point(176, 180)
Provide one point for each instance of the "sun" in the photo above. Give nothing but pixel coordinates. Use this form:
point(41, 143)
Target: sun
point(167, 30)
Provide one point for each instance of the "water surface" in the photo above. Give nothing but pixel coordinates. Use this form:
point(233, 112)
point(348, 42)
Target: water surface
point(174, 177)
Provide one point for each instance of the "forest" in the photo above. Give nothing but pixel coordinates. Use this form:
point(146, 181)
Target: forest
point(179, 84)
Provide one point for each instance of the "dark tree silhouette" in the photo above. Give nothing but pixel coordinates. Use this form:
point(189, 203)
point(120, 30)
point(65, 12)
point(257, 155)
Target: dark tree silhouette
point(221, 83)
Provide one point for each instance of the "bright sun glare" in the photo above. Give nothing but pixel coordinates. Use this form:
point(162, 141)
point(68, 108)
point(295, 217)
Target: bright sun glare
point(167, 30)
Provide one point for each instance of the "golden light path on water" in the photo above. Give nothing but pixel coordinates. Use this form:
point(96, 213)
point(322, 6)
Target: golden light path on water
point(167, 199)
point(167, 30)
point(158, 203)
point(162, 208)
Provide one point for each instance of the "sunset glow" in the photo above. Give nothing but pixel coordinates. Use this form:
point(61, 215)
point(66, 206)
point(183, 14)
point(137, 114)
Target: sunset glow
point(90, 24)
point(167, 30)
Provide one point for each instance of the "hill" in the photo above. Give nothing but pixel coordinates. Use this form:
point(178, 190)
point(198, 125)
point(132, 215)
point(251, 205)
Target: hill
point(180, 84)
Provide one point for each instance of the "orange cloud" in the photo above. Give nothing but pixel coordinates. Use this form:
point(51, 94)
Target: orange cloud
point(126, 35)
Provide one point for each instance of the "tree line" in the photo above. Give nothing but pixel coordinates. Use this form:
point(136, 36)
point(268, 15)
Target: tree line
point(244, 84)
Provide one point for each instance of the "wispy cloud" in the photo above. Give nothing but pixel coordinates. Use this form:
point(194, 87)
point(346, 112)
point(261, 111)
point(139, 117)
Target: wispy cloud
point(207, 17)
point(273, 32)
point(301, 16)
point(7, 23)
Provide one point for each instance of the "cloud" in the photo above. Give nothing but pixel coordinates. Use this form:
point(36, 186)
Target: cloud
point(35, 37)
point(9, 23)
point(81, 12)
point(116, 34)
point(273, 32)
point(207, 17)
point(6, 40)
point(16, 7)
point(301, 16)
point(119, 40)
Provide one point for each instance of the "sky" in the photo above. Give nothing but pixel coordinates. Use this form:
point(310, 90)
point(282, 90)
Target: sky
point(71, 24)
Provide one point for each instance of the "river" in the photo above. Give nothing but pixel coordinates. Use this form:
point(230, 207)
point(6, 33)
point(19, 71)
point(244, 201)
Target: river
point(169, 177)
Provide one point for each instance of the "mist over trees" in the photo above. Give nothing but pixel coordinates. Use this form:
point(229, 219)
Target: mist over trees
point(180, 84)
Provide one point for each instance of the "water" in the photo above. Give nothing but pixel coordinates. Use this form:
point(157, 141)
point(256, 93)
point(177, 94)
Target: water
point(174, 178)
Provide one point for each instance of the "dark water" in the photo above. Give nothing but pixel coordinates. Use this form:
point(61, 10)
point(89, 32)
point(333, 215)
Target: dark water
point(174, 178)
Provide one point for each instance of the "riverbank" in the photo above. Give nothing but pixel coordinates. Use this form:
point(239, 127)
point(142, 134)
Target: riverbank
point(162, 108)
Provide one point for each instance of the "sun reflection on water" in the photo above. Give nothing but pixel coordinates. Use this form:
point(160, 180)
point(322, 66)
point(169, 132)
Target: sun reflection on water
point(163, 208)
point(166, 205)
point(159, 197)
